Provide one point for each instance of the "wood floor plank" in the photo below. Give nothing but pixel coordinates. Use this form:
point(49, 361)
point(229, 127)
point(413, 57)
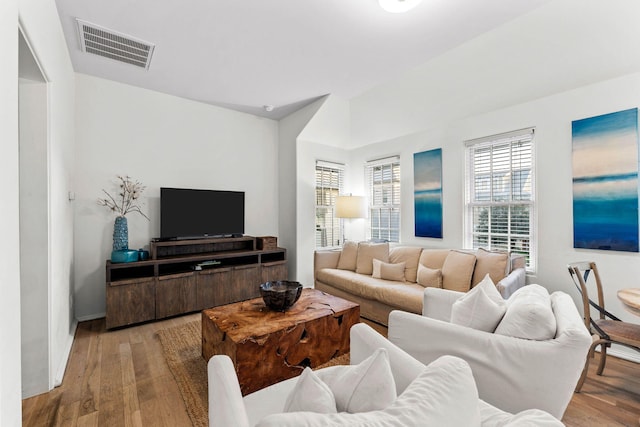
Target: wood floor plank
point(120, 378)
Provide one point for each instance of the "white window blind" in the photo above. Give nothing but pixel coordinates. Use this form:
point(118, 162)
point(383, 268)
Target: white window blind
point(329, 184)
point(500, 204)
point(383, 180)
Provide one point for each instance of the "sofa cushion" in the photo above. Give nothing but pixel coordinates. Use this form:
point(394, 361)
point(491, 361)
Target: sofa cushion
point(481, 308)
point(429, 277)
point(494, 263)
point(387, 271)
point(529, 315)
point(310, 394)
point(348, 256)
point(410, 255)
point(367, 252)
point(444, 394)
point(407, 297)
point(433, 258)
point(367, 386)
point(457, 271)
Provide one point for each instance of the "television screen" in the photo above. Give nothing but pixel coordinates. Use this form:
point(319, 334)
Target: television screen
point(188, 213)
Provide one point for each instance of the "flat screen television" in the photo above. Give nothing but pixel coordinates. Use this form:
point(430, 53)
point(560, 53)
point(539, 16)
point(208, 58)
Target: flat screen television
point(190, 214)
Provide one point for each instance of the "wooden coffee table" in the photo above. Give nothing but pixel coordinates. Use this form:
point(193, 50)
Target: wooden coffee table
point(267, 346)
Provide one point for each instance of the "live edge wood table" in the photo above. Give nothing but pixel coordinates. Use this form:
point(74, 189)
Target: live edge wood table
point(268, 346)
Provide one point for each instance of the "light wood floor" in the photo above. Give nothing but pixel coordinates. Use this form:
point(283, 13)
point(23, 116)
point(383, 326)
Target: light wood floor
point(120, 378)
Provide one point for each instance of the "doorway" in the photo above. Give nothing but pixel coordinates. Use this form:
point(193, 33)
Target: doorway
point(37, 373)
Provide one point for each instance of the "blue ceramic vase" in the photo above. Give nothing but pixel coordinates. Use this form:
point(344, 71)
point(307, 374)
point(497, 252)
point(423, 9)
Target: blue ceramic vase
point(120, 234)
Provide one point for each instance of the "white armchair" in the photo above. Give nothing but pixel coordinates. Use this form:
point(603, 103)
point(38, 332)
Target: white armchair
point(228, 408)
point(512, 374)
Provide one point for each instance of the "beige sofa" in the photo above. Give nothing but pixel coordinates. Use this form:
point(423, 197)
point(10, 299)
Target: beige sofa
point(382, 278)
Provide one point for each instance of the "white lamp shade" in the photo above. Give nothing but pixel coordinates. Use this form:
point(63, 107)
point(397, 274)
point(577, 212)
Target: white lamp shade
point(398, 6)
point(351, 207)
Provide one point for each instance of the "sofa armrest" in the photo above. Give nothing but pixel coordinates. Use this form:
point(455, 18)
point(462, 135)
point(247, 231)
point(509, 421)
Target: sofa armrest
point(514, 281)
point(325, 259)
point(226, 407)
point(437, 303)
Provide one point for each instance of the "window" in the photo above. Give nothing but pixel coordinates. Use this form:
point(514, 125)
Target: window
point(329, 184)
point(383, 181)
point(500, 194)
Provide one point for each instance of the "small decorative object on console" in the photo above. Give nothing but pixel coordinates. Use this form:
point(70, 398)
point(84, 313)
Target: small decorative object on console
point(281, 294)
point(266, 243)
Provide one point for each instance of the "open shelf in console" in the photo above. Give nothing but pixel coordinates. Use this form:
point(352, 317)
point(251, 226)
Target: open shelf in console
point(176, 248)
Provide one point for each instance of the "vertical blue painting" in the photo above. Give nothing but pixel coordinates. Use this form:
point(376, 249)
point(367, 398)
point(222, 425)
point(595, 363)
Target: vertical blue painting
point(427, 193)
point(605, 182)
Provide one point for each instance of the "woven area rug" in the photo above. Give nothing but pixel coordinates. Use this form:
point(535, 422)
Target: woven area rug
point(182, 346)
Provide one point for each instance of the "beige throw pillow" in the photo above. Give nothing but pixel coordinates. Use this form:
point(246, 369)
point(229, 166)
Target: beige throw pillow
point(494, 263)
point(348, 256)
point(386, 271)
point(367, 252)
point(410, 255)
point(429, 277)
point(457, 271)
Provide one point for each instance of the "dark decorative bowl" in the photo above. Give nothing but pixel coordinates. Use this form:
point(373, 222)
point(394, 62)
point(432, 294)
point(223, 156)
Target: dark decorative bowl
point(280, 295)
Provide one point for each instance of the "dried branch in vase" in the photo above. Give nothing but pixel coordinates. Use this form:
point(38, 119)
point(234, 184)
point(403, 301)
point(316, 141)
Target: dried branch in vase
point(126, 199)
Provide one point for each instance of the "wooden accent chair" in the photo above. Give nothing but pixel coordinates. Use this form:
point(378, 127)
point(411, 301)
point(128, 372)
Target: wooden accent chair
point(604, 327)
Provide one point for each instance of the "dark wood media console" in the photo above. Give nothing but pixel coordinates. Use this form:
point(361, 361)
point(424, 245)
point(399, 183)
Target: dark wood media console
point(184, 276)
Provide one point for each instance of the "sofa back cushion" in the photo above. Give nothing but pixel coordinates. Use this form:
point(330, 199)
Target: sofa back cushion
point(457, 271)
point(367, 252)
point(493, 263)
point(433, 258)
point(410, 256)
point(348, 256)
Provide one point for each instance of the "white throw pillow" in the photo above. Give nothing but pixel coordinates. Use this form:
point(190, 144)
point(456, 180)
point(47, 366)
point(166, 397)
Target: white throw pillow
point(387, 271)
point(367, 386)
point(444, 394)
point(311, 394)
point(481, 308)
point(529, 315)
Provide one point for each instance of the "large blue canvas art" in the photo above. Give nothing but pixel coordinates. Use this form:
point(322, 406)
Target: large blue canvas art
point(427, 193)
point(605, 182)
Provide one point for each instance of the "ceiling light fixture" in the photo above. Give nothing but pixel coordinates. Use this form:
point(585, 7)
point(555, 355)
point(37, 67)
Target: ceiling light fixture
point(398, 6)
point(268, 108)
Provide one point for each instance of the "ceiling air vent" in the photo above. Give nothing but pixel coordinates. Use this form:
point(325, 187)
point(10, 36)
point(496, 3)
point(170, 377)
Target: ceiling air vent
point(111, 44)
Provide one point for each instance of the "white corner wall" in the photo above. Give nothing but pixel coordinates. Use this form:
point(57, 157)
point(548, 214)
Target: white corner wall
point(10, 372)
point(162, 141)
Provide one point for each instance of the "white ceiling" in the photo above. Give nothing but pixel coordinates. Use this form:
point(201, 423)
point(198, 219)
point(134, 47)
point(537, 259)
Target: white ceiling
point(244, 54)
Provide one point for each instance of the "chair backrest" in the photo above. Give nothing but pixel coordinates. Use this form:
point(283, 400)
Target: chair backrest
point(580, 273)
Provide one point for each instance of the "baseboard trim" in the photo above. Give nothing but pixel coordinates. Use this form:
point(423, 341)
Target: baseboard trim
point(90, 317)
point(622, 353)
point(67, 353)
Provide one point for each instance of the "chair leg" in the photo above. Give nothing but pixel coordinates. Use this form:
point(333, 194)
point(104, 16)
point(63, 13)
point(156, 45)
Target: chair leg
point(590, 355)
point(603, 356)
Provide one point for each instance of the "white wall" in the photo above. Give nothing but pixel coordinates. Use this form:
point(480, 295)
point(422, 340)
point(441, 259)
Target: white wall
point(162, 141)
point(288, 130)
point(322, 139)
point(10, 382)
point(34, 235)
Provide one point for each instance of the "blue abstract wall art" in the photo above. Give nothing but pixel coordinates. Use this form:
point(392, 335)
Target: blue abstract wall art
point(605, 182)
point(427, 193)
